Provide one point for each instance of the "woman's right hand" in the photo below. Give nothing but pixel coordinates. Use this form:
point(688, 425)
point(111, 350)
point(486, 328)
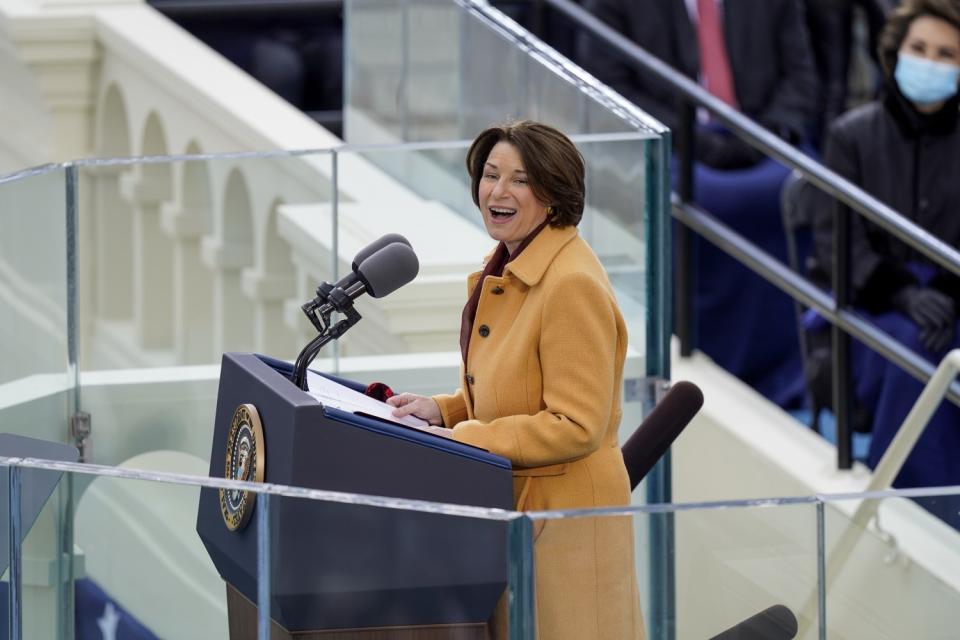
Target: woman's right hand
point(423, 407)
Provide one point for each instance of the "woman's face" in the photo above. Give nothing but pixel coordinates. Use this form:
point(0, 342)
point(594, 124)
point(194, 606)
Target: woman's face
point(510, 210)
point(935, 40)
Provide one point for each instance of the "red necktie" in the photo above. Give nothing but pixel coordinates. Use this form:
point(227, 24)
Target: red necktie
point(714, 63)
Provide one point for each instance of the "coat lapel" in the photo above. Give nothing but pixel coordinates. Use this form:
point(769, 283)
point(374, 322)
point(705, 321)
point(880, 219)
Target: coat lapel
point(530, 265)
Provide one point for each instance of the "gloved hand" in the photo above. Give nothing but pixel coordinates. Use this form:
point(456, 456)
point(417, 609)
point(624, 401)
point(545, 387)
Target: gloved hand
point(721, 150)
point(934, 312)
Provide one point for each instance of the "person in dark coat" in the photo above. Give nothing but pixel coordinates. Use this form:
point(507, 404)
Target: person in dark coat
point(742, 322)
point(905, 150)
point(769, 56)
point(831, 26)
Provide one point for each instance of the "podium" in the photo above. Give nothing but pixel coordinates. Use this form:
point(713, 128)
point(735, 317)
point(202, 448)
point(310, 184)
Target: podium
point(343, 570)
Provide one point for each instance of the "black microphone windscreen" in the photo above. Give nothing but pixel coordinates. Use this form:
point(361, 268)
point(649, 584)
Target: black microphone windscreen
point(375, 246)
point(388, 269)
point(660, 428)
point(773, 623)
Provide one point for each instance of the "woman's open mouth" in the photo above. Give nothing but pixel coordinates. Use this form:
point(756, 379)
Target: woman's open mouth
point(501, 214)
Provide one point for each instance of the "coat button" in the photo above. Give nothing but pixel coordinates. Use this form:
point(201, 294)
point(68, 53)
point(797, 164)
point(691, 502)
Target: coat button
point(484, 331)
point(469, 379)
point(497, 291)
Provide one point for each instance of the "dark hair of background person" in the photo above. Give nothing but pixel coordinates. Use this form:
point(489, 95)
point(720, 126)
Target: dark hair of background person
point(898, 24)
point(554, 166)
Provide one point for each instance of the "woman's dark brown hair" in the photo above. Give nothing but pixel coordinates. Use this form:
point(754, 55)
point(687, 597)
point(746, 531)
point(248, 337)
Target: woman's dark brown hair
point(554, 166)
point(898, 24)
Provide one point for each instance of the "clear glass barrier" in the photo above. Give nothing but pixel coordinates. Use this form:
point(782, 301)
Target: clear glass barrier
point(186, 258)
point(880, 565)
point(36, 380)
point(146, 545)
point(892, 566)
point(431, 204)
point(726, 566)
point(876, 565)
point(33, 275)
point(445, 70)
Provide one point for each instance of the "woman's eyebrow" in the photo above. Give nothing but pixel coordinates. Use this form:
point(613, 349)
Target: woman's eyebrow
point(493, 166)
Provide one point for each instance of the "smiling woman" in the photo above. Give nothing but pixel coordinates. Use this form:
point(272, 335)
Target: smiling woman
point(543, 345)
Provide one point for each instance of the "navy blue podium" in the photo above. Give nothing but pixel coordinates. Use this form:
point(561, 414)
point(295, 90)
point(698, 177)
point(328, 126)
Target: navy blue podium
point(338, 567)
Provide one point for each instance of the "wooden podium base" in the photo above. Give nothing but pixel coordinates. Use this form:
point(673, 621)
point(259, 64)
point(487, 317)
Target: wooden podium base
point(242, 616)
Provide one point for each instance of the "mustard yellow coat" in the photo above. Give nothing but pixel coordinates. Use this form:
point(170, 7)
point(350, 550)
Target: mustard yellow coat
point(542, 387)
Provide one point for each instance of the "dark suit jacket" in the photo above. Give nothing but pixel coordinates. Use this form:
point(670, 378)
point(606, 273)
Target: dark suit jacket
point(767, 42)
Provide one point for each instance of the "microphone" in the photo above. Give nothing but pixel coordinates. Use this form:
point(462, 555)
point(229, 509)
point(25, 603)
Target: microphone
point(323, 291)
point(388, 269)
point(383, 269)
point(773, 623)
point(659, 429)
point(375, 247)
point(380, 274)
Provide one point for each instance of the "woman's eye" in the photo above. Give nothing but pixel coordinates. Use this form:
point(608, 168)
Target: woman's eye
point(948, 54)
point(489, 176)
point(520, 181)
point(918, 47)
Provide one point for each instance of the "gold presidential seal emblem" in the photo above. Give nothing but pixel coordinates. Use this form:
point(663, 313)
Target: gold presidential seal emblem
point(245, 461)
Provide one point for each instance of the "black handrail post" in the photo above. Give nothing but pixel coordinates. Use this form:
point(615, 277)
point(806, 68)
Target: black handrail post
point(685, 282)
point(538, 21)
point(842, 380)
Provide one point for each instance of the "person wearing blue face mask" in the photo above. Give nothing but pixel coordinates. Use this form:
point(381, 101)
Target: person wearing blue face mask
point(905, 150)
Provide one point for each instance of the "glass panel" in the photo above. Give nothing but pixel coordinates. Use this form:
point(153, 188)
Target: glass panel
point(725, 566)
point(893, 566)
point(431, 205)
point(188, 258)
point(444, 70)
point(45, 601)
point(732, 564)
point(351, 566)
point(141, 569)
point(34, 343)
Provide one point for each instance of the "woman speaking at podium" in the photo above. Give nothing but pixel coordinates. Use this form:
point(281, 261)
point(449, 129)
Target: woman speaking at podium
point(543, 345)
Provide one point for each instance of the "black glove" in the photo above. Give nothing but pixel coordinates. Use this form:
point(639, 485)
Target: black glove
point(934, 312)
point(723, 151)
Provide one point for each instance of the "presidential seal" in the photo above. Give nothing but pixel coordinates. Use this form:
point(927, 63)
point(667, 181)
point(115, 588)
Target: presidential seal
point(245, 461)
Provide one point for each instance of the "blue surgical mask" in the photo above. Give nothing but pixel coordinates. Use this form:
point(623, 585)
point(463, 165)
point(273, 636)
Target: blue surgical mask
point(924, 81)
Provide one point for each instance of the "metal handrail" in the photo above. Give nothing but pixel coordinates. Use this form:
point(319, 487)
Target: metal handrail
point(757, 136)
point(801, 289)
point(844, 322)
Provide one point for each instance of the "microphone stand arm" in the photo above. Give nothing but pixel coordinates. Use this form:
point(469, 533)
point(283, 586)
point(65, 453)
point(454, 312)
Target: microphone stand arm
point(321, 320)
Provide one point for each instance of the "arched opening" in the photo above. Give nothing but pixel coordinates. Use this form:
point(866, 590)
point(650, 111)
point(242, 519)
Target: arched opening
point(188, 224)
point(110, 263)
point(277, 274)
point(233, 314)
point(153, 251)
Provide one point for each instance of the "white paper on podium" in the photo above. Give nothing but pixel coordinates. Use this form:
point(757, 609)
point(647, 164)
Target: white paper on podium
point(336, 395)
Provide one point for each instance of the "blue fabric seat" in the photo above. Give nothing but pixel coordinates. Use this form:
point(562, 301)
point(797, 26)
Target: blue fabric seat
point(743, 323)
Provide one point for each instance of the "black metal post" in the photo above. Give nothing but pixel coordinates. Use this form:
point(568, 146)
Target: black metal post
point(842, 380)
point(685, 281)
point(538, 19)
